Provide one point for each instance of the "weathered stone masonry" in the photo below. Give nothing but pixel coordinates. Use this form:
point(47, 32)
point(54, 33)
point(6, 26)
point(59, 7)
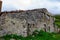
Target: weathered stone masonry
point(25, 22)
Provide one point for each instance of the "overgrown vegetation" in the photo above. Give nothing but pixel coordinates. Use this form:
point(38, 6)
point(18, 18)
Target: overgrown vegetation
point(57, 20)
point(41, 35)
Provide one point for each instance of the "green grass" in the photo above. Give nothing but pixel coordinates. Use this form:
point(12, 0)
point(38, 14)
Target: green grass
point(57, 36)
point(35, 36)
point(57, 20)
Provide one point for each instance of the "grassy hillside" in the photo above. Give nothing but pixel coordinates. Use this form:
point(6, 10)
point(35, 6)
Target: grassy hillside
point(57, 20)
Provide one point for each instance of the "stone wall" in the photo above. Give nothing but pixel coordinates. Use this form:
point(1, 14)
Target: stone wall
point(24, 23)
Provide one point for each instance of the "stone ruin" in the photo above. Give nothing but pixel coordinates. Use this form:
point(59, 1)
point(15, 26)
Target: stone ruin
point(25, 22)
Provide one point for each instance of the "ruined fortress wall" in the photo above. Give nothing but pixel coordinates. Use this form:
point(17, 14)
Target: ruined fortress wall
point(24, 23)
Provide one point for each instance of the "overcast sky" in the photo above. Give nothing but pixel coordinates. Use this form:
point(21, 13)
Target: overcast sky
point(53, 6)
